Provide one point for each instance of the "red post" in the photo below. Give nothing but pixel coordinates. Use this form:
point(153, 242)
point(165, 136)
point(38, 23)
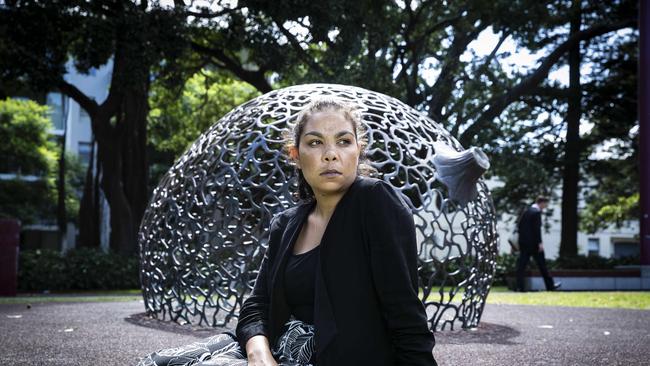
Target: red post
point(9, 239)
point(644, 130)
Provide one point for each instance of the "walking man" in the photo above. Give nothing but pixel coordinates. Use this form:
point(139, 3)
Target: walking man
point(530, 244)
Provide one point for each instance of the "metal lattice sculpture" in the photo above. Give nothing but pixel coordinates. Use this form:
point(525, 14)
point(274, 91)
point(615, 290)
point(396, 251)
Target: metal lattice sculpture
point(204, 234)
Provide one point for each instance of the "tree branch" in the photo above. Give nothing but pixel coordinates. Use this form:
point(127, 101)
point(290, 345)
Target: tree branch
point(480, 70)
point(304, 55)
point(84, 101)
point(99, 114)
point(498, 103)
point(415, 45)
point(255, 78)
point(442, 88)
point(438, 26)
point(492, 54)
point(208, 15)
point(397, 54)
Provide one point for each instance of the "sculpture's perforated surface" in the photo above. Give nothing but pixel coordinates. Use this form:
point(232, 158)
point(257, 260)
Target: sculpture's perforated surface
point(204, 234)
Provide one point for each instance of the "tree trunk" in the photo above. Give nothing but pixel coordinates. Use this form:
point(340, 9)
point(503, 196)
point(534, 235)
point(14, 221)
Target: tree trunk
point(124, 162)
point(89, 207)
point(121, 158)
point(571, 172)
point(61, 217)
point(135, 168)
point(109, 141)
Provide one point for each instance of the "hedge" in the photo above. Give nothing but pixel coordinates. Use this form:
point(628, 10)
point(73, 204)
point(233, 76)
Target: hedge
point(92, 269)
point(78, 269)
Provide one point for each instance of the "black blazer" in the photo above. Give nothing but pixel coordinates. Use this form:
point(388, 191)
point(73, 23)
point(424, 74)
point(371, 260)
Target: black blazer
point(530, 229)
point(366, 309)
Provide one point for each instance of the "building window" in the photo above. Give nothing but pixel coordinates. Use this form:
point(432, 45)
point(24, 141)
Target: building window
point(626, 248)
point(55, 102)
point(84, 117)
point(593, 246)
point(83, 151)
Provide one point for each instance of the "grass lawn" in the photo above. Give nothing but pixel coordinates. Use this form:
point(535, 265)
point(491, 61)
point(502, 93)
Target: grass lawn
point(78, 296)
point(498, 295)
point(590, 299)
point(90, 296)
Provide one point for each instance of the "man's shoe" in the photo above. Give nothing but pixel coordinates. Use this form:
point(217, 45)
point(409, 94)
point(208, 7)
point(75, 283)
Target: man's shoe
point(556, 286)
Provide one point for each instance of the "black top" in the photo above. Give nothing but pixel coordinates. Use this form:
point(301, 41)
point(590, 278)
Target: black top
point(299, 278)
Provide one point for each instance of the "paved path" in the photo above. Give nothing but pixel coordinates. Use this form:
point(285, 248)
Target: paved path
point(109, 334)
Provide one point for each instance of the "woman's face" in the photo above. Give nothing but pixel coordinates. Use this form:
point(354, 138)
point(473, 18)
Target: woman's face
point(328, 153)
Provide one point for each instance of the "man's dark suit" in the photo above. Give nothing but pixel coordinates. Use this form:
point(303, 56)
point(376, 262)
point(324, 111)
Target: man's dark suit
point(366, 309)
point(530, 236)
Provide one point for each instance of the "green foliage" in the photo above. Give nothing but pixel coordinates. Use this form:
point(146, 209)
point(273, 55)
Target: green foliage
point(590, 262)
point(611, 156)
point(599, 213)
point(177, 119)
point(79, 269)
point(506, 266)
point(75, 175)
point(26, 150)
point(40, 37)
point(524, 175)
point(30, 202)
point(41, 270)
point(24, 127)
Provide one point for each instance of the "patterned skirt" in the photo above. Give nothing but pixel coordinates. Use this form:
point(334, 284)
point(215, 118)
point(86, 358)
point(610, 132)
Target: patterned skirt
point(295, 347)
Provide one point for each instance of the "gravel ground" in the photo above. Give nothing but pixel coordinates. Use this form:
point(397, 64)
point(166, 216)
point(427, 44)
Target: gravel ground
point(115, 333)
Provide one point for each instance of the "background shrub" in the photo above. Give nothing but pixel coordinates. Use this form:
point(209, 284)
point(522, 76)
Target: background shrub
point(590, 262)
point(40, 270)
point(507, 264)
point(79, 269)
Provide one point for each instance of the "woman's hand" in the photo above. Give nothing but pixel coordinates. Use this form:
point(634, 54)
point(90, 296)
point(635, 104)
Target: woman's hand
point(258, 352)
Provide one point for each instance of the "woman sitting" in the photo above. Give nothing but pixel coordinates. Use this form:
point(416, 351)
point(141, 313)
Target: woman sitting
point(338, 283)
